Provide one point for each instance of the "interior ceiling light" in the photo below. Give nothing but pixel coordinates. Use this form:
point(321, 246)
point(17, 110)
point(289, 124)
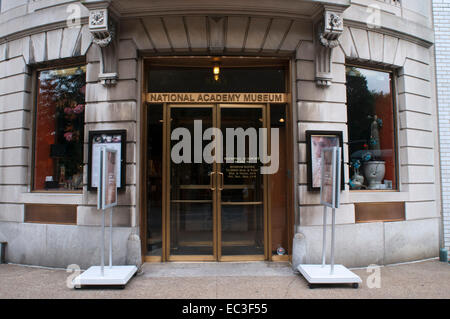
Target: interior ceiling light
point(216, 71)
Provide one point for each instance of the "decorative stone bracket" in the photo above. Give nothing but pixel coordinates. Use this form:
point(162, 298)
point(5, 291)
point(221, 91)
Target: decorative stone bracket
point(328, 30)
point(104, 29)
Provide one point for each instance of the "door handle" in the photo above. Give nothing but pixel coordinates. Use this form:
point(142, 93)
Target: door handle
point(221, 181)
point(211, 181)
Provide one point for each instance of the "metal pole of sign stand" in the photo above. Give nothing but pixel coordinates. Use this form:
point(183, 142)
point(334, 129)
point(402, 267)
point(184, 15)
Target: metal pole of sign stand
point(100, 192)
point(110, 237)
point(103, 244)
point(335, 202)
point(324, 243)
point(333, 224)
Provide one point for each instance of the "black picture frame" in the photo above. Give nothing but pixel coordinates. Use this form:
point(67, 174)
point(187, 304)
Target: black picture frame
point(310, 157)
point(123, 141)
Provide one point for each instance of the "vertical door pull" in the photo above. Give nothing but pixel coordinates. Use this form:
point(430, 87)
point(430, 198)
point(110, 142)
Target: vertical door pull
point(221, 181)
point(211, 181)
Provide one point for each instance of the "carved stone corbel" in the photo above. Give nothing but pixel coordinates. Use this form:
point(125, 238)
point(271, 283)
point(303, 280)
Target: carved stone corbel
point(104, 29)
point(328, 30)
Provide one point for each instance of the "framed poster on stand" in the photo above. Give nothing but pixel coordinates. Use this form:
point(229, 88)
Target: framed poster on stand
point(330, 188)
point(117, 276)
point(316, 141)
point(113, 139)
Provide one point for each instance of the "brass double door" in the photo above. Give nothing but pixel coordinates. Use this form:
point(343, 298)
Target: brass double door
point(216, 209)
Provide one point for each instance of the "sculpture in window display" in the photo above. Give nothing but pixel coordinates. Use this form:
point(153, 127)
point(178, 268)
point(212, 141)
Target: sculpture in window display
point(374, 169)
point(357, 181)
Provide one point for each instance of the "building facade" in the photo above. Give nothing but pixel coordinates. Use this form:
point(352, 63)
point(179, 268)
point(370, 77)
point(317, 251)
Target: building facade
point(441, 13)
point(146, 77)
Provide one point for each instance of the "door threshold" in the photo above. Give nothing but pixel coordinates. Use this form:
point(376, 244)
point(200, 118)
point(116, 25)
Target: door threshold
point(224, 259)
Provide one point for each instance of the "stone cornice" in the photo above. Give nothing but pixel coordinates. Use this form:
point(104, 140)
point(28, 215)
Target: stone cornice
point(299, 9)
point(425, 39)
point(427, 43)
point(347, 23)
point(356, 16)
point(39, 29)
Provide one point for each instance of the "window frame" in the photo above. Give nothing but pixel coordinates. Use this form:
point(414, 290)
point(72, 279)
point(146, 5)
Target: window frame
point(45, 66)
point(393, 74)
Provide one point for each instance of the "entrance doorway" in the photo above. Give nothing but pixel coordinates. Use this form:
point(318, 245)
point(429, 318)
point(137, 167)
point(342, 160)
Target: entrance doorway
point(217, 210)
point(224, 209)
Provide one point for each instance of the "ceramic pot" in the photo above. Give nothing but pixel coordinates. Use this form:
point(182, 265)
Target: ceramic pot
point(374, 172)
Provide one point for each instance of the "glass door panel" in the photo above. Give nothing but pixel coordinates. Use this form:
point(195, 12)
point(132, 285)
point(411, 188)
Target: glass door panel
point(191, 203)
point(241, 185)
point(216, 209)
point(278, 187)
point(154, 185)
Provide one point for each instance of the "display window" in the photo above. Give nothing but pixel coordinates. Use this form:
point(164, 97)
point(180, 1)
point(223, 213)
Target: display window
point(371, 129)
point(59, 129)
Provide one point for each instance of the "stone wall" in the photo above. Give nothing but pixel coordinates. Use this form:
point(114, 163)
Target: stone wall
point(59, 245)
point(441, 10)
point(410, 55)
point(325, 109)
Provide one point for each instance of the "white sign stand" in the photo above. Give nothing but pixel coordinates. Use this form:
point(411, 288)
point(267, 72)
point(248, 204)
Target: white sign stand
point(112, 275)
point(329, 197)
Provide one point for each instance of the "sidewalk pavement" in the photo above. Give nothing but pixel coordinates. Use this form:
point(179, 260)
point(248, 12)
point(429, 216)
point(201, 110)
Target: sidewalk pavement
point(256, 280)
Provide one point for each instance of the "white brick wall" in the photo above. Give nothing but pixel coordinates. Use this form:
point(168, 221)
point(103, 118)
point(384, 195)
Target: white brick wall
point(441, 9)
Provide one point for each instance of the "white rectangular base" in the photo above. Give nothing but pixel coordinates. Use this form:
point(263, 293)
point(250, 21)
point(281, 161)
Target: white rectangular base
point(115, 276)
point(316, 274)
